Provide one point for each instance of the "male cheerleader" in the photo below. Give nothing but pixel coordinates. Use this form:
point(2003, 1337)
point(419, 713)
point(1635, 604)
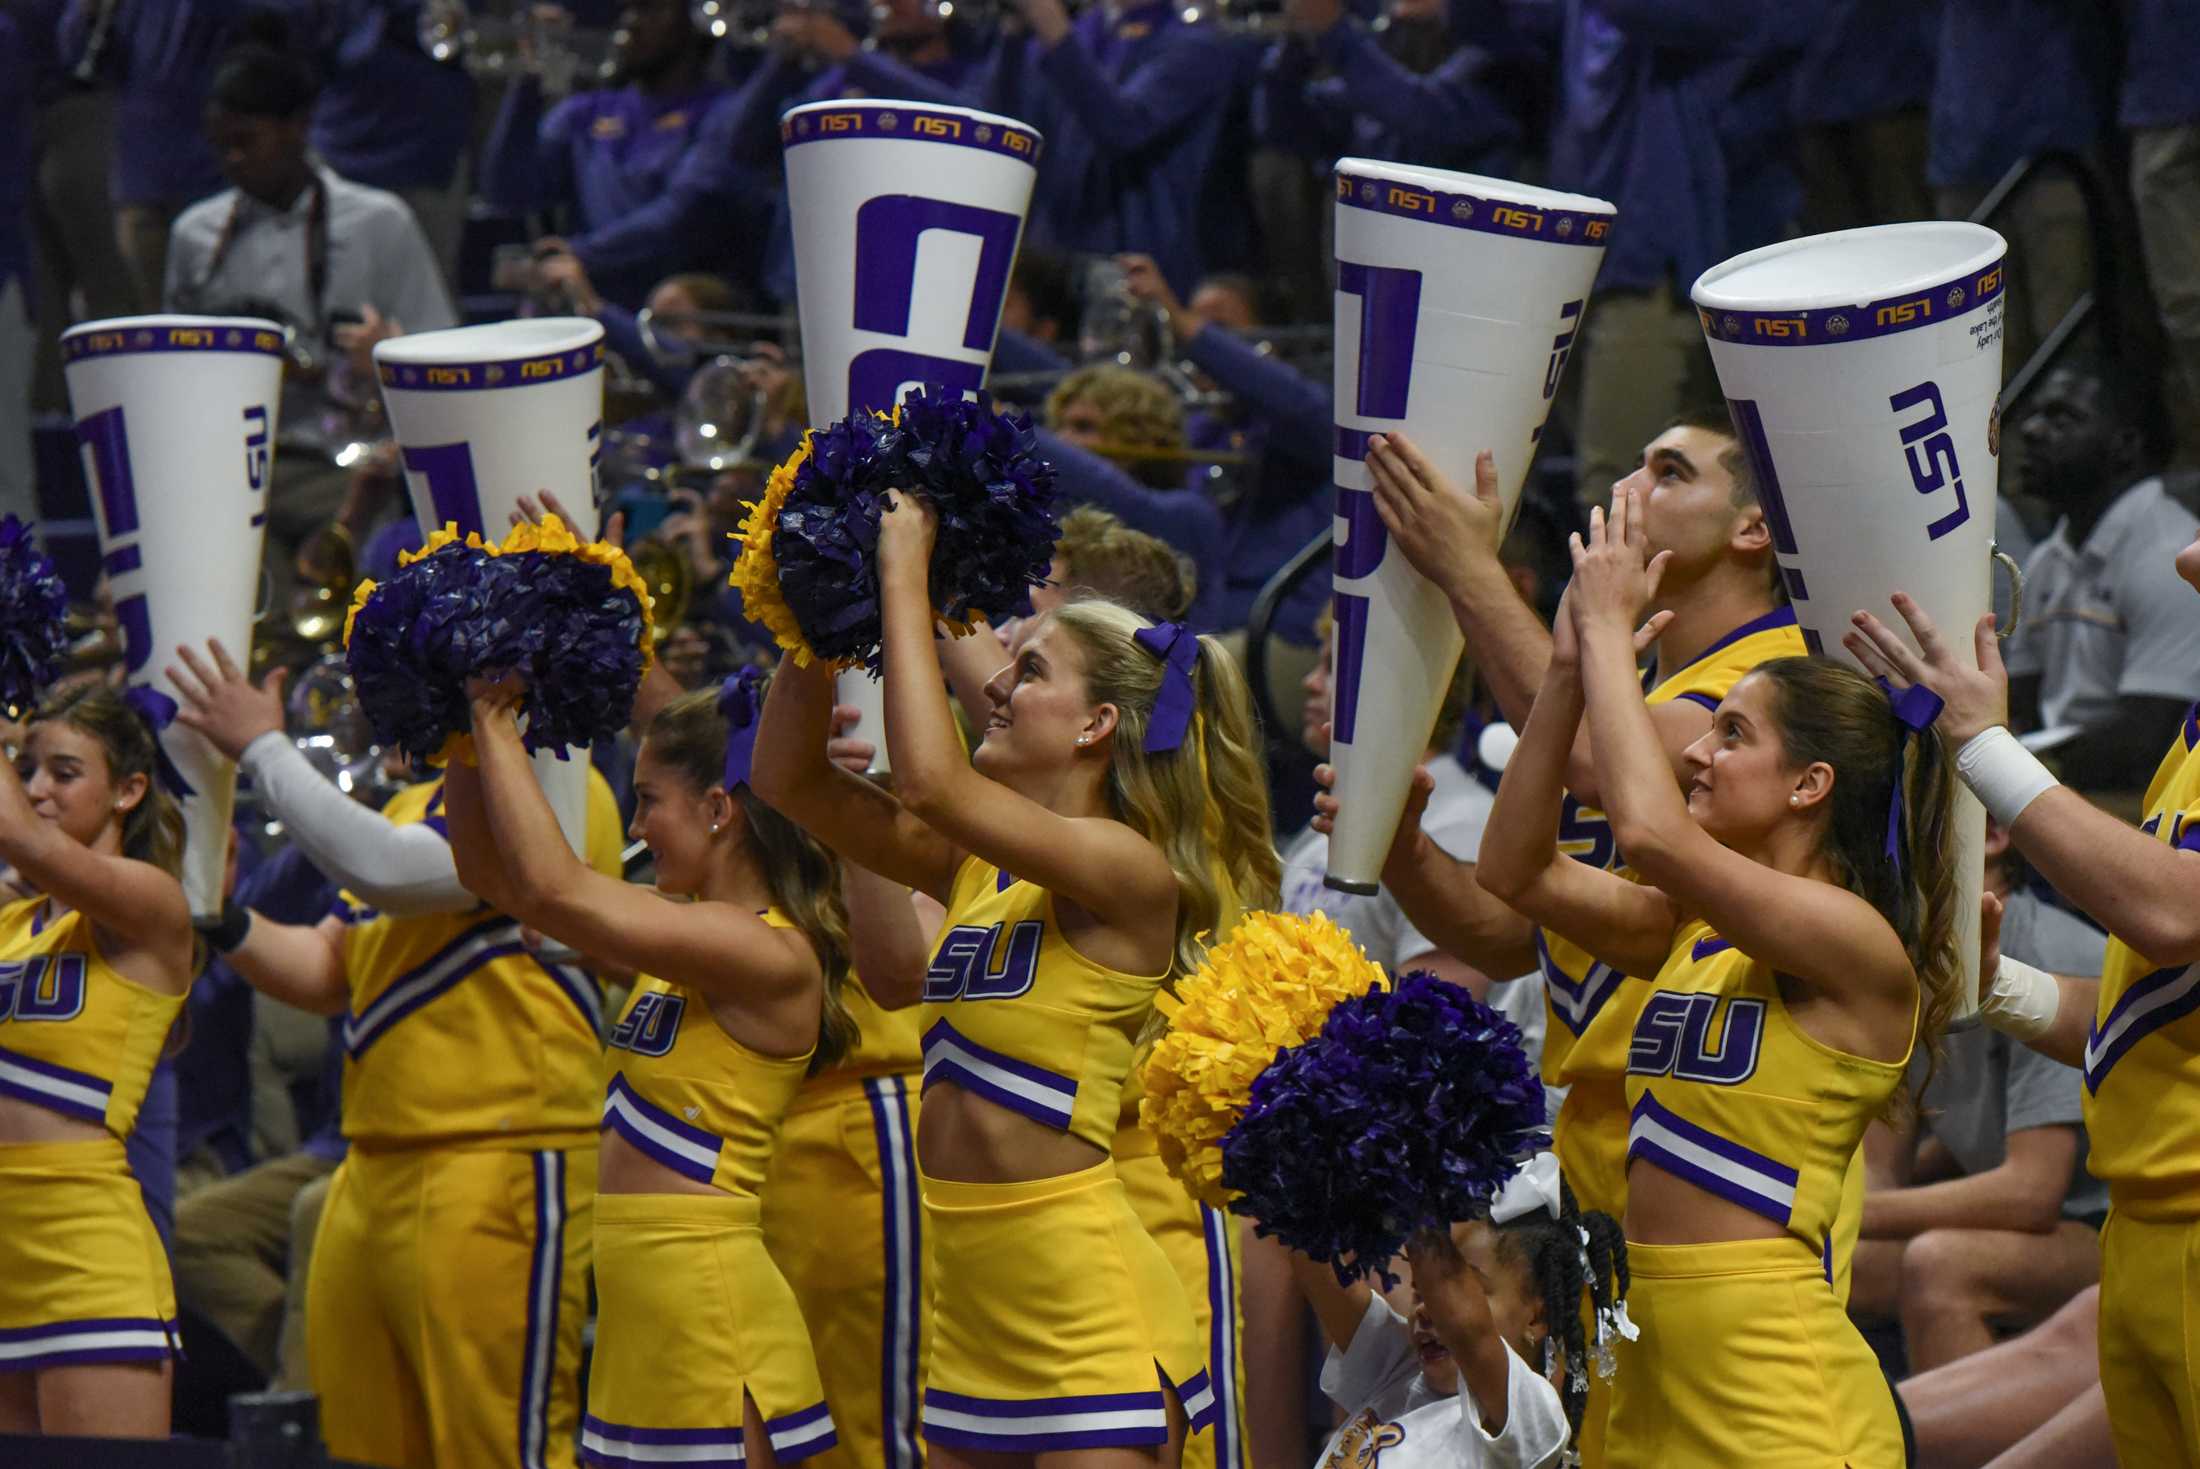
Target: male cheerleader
point(2134, 1031)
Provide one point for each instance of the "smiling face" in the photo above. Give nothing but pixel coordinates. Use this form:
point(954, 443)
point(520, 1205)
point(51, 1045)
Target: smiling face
point(65, 772)
point(1740, 778)
point(675, 819)
point(1041, 707)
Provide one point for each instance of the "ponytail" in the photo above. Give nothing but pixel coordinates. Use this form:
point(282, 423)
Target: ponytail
point(1204, 800)
point(1567, 1257)
point(152, 830)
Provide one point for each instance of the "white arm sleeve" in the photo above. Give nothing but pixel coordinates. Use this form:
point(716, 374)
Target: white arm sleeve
point(402, 870)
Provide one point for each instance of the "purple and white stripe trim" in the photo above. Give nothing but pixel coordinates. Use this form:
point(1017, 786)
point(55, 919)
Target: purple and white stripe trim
point(1575, 1002)
point(545, 1289)
point(244, 336)
point(1818, 325)
point(1222, 1340)
point(688, 1151)
point(80, 1343)
point(796, 1436)
point(1042, 1095)
point(57, 1088)
point(497, 938)
point(902, 1210)
point(512, 372)
point(580, 989)
point(1711, 1162)
point(691, 1448)
point(1546, 224)
point(1031, 1425)
point(2164, 996)
point(864, 117)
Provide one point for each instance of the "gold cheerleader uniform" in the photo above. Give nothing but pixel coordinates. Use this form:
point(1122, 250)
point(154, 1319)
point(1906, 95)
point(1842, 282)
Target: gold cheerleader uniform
point(1057, 1321)
point(1589, 1009)
point(2142, 1116)
point(693, 1312)
point(83, 1276)
point(1203, 1248)
point(1746, 1355)
point(844, 1219)
point(449, 1279)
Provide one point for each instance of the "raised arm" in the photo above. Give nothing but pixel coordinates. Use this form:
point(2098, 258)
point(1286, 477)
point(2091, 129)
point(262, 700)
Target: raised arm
point(1452, 537)
point(403, 870)
point(138, 912)
point(1457, 1301)
point(1813, 930)
point(2142, 889)
point(1338, 1308)
point(1626, 924)
point(1439, 894)
point(888, 947)
point(854, 817)
point(726, 953)
point(1101, 865)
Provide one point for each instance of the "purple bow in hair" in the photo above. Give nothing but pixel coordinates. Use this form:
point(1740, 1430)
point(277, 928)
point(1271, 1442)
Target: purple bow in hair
point(159, 711)
point(740, 699)
point(1178, 647)
point(1915, 709)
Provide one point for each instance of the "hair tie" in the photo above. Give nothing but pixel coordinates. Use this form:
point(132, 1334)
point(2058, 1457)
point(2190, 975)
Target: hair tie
point(1915, 708)
point(740, 701)
point(159, 711)
point(1177, 646)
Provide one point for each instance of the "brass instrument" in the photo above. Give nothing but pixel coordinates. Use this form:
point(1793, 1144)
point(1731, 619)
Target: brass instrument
point(670, 576)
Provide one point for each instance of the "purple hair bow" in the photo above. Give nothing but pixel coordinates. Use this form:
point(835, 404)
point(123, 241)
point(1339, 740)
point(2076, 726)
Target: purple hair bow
point(1915, 709)
point(159, 711)
point(740, 699)
point(1177, 646)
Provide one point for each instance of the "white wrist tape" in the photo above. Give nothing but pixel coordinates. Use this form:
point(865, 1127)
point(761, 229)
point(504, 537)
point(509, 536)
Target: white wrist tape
point(2020, 1001)
point(2005, 776)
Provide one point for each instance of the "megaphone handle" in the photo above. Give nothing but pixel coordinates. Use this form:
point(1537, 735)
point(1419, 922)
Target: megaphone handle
point(2016, 593)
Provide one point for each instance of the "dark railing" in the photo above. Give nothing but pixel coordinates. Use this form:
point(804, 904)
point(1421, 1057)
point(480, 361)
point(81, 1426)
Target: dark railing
point(268, 1430)
point(2096, 305)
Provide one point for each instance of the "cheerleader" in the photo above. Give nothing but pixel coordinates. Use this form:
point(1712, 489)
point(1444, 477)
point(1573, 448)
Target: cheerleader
point(1493, 1367)
point(1115, 812)
point(2132, 1032)
point(1801, 928)
point(449, 1278)
point(701, 1350)
point(93, 972)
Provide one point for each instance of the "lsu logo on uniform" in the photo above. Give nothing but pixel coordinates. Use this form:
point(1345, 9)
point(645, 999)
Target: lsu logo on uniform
point(1673, 1037)
point(974, 963)
point(49, 987)
point(651, 1025)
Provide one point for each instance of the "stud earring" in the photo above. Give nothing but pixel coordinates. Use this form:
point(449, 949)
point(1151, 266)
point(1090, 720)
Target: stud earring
point(1795, 800)
point(714, 827)
point(1084, 739)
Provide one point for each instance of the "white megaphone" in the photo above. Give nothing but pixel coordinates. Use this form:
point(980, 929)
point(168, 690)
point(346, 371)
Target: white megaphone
point(906, 219)
point(176, 417)
point(484, 415)
point(1863, 369)
point(1458, 301)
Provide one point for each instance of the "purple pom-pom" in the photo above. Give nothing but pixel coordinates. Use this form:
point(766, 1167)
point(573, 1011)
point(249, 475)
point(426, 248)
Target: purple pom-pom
point(991, 493)
point(1408, 1111)
point(33, 604)
point(556, 620)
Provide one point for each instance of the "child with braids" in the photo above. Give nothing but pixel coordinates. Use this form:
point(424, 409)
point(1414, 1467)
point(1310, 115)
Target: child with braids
point(1497, 1325)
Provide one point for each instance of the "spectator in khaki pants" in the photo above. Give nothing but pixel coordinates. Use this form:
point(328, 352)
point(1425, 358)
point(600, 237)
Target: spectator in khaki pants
point(2161, 109)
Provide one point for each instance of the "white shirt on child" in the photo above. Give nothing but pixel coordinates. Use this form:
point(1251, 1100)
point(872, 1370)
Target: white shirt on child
point(1393, 1420)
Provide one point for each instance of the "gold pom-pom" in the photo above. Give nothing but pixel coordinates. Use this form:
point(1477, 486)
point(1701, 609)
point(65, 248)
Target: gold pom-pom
point(756, 571)
point(1270, 986)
